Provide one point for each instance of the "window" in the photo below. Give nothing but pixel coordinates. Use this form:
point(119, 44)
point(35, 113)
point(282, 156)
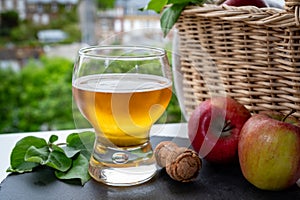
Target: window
point(40, 8)
point(54, 7)
point(9, 5)
point(36, 18)
point(45, 19)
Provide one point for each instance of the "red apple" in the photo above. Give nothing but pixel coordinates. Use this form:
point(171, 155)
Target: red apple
point(214, 127)
point(269, 152)
point(257, 3)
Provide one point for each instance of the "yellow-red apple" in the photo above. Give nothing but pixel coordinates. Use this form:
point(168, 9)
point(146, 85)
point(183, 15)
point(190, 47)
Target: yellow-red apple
point(269, 151)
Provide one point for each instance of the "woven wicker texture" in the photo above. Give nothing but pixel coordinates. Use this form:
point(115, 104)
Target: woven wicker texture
point(251, 54)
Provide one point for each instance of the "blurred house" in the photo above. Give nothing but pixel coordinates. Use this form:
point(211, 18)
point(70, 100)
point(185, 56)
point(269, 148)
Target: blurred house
point(121, 23)
point(38, 11)
point(15, 58)
point(125, 17)
point(133, 18)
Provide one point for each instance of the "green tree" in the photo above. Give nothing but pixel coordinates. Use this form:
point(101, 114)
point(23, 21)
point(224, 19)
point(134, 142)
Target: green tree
point(105, 4)
point(9, 100)
point(38, 97)
point(46, 100)
point(23, 33)
point(8, 21)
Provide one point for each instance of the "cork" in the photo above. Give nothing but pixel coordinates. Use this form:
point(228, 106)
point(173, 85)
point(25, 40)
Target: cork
point(182, 164)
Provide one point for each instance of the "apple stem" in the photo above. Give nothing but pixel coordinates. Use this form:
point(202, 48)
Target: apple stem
point(286, 116)
point(227, 127)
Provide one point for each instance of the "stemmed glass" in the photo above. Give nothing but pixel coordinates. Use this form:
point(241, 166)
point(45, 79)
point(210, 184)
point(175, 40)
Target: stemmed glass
point(122, 91)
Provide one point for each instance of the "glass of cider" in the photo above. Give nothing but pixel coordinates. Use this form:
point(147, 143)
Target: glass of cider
point(122, 91)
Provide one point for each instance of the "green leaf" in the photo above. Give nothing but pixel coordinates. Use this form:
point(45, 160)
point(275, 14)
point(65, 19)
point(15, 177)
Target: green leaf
point(58, 160)
point(156, 5)
point(196, 2)
point(79, 170)
point(53, 138)
point(70, 161)
point(82, 141)
point(37, 155)
point(170, 16)
point(17, 158)
point(55, 147)
point(70, 151)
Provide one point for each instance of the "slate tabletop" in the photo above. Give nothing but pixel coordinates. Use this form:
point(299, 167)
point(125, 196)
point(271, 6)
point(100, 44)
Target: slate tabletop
point(215, 182)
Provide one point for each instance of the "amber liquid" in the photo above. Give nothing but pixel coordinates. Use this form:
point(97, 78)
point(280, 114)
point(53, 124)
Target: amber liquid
point(122, 108)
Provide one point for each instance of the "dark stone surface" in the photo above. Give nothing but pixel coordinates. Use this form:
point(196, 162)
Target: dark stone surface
point(214, 182)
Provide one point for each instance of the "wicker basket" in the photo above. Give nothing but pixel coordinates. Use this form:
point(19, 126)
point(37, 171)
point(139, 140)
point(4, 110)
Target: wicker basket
point(251, 54)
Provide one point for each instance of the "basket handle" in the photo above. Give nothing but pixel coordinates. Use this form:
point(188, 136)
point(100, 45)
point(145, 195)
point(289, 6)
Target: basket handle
point(293, 6)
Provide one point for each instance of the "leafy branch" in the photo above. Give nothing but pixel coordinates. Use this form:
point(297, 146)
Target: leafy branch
point(170, 11)
point(70, 160)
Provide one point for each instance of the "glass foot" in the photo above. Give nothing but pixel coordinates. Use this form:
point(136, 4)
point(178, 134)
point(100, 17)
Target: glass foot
point(123, 167)
point(128, 176)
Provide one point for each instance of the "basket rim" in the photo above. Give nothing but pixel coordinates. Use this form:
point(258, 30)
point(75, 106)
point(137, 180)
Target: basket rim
point(248, 14)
